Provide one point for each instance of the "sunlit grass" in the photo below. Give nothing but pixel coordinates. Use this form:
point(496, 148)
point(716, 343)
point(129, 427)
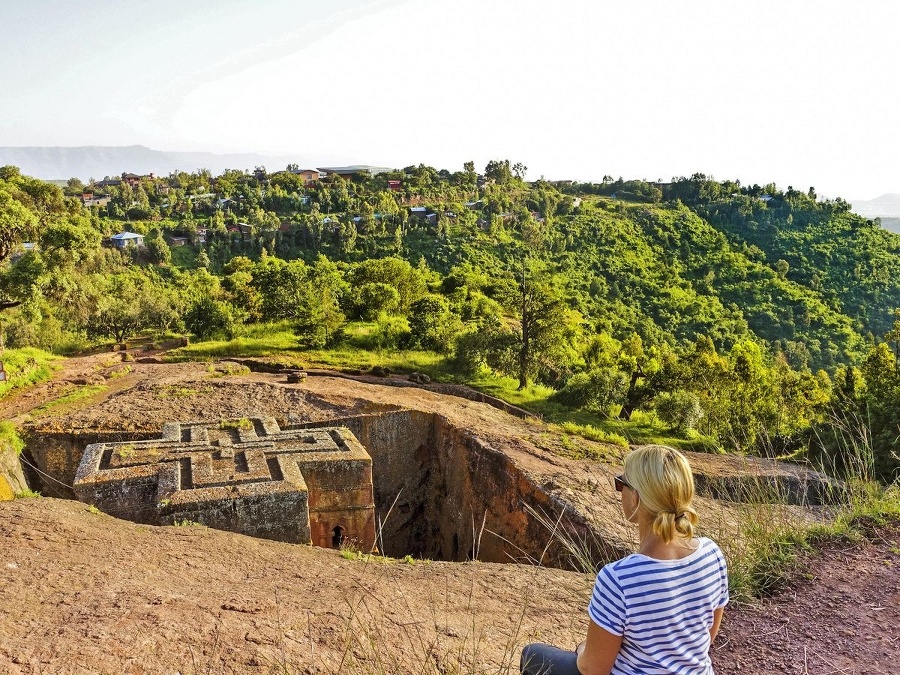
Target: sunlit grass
point(532, 398)
point(254, 341)
point(9, 438)
point(593, 433)
point(278, 341)
point(184, 257)
point(25, 367)
point(348, 358)
point(644, 428)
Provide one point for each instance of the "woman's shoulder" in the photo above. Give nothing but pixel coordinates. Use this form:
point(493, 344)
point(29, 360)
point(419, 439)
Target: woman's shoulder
point(711, 547)
point(699, 547)
point(613, 570)
point(708, 544)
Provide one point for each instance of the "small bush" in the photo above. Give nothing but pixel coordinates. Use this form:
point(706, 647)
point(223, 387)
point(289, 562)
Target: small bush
point(432, 325)
point(680, 409)
point(227, 368)
point(208, 317)
point(390, 332)
point(596, 390)
point(27, 494)
point(120, 372)
point(376, 298)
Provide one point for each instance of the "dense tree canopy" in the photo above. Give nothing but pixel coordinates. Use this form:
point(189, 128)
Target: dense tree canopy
point(726, 309)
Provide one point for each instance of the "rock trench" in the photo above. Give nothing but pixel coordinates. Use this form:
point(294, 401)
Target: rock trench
point(440, 492)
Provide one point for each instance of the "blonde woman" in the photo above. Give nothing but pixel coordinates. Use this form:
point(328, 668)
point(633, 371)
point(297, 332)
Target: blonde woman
point(658, 610)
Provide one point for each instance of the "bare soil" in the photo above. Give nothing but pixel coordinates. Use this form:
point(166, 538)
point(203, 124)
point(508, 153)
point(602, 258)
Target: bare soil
point(81, 592)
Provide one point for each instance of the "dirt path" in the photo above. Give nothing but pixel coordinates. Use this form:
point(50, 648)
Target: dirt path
point(106, 368)
point(839, 614)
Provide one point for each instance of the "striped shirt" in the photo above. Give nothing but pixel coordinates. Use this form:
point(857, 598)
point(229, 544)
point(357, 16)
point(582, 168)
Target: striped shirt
point(663, 609)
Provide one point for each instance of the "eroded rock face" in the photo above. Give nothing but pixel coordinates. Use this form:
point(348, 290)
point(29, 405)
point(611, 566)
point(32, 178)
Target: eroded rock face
point(445, 494)
point(12, 480)
point(248, 476)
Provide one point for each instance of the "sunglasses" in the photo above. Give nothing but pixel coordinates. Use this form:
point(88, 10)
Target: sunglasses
point(620, 482)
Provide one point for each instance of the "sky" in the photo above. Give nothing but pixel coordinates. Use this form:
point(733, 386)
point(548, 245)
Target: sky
point(796, 92)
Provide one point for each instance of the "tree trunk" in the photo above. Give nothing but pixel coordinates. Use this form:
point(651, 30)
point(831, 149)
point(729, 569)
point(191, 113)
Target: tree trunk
point(526, 336)
point(632, 398)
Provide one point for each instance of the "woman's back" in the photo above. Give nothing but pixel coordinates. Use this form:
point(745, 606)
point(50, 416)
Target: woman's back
point(657, 611)
point(663, 609)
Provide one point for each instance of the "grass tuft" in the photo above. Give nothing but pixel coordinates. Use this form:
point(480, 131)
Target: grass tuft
point(80, 394)
point(27, 493)
point(227, 368)
point(242, 423)
point(593, 433)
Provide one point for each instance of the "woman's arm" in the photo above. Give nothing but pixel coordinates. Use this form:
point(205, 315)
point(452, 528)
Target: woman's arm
point(717, 621)
point(597, 654)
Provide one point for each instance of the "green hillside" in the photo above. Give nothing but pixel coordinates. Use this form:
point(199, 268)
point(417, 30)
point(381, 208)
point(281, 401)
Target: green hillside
point(729, 316)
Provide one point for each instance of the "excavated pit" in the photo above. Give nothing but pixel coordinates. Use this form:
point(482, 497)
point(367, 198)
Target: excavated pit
point(440, 492)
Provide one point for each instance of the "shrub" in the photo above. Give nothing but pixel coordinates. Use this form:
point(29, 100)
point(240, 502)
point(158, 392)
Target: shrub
point(432, 325)
point(375, 298)
point(208, 317)
point(596, 390)
point(9, 437)
point(390, 332)
point(679, 409)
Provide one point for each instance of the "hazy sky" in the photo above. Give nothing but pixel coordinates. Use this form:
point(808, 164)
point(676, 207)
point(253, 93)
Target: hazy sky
point(799, 92)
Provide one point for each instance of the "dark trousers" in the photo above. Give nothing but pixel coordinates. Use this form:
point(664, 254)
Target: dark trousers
point(538, 659)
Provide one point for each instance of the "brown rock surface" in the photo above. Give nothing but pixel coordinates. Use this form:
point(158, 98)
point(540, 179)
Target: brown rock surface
point(86, 593)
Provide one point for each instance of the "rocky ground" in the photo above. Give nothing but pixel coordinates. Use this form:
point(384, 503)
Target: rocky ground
point(81, 592)
point(84, 593)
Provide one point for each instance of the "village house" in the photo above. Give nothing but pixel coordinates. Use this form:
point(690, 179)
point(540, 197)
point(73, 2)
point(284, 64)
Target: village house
point(309, 176)
point(126, 239)
point(244, 229)
point(132, 179)
point(349, 171)
point(89, 199)
point(107, 182)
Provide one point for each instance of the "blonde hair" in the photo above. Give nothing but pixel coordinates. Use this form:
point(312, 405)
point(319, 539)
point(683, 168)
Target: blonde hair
point(662, 478)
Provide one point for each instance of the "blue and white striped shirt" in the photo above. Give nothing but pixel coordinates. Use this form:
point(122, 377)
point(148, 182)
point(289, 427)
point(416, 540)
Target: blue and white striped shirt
point(663, 609)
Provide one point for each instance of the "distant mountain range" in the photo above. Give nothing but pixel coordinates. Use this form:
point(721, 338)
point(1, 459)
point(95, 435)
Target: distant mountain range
point(94, 161)
point(886, 207)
